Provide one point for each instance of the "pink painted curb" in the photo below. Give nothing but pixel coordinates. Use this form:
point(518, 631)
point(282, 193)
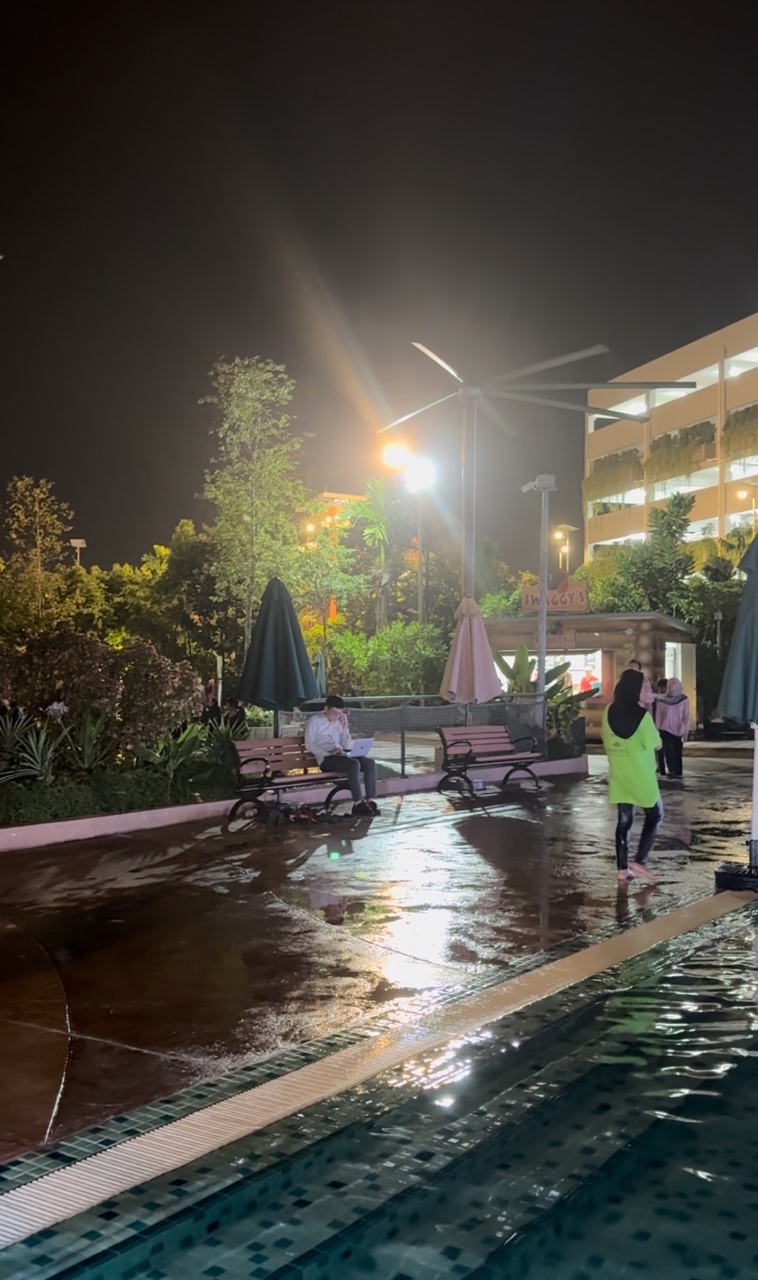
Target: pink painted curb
point(114, 824)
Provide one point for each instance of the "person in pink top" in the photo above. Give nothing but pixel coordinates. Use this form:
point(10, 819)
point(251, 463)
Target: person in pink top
point(672, 719)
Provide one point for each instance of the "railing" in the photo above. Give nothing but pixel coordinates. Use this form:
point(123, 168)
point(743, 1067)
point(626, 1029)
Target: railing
point(405, 736)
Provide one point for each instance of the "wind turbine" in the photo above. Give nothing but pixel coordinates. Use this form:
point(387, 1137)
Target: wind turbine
point(509, 386)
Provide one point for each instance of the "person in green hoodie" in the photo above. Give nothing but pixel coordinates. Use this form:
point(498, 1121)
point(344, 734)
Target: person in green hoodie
point(631, 740)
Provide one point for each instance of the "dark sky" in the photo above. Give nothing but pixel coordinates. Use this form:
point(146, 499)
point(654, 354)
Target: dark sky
point(323, 183)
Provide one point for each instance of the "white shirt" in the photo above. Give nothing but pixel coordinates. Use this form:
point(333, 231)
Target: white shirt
point(324, 737)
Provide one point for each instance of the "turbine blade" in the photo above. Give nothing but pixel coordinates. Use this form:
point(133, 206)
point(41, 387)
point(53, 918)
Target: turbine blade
point(496, 416)
point(566, 404)
point(438, 360)
point(606, 386)
point(415, 412)
point(569, 358)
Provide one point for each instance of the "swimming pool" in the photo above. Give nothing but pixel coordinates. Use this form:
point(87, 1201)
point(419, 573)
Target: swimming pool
point(608, 1131)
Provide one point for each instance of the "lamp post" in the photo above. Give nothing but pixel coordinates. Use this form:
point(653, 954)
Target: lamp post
point(419, 474)
point(748, 492)
point(563, 535)
point(79, 545)
point(544, 485)
point(718, 618)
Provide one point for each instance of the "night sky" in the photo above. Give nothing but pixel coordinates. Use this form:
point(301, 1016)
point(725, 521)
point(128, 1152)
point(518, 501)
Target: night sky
point(321, 184)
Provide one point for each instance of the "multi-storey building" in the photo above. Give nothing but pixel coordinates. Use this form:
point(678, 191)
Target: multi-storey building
point(702, 440)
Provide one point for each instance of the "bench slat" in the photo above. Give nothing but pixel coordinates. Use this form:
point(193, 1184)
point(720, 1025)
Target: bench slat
point(278, 765)
point(477, 746)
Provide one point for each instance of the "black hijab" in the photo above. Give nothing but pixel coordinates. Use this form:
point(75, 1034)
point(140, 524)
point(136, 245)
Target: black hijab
point(625, 713)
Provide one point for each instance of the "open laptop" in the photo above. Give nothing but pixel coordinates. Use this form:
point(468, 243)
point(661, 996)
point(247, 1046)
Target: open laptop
point(361, 746)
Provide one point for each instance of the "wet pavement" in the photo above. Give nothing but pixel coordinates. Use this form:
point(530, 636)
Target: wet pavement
point(133, 966)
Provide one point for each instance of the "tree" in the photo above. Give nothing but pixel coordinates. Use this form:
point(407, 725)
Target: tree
point(402, 658)
point(87, 593)
point(252, 482)
point(34, 595)
point(650, 574)
point(134, 604)
point(326, 581)
point(200, 622)
point(374, 515)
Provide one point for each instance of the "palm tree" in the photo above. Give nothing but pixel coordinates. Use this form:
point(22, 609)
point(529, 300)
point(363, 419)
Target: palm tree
point(726, 551)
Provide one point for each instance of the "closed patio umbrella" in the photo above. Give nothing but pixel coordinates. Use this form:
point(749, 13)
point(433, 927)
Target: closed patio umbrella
point(319, 673)
point(738, 700)
point(277, 673)
point(470, 672)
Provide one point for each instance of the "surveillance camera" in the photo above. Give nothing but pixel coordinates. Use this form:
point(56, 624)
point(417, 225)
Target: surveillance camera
point(527, 488)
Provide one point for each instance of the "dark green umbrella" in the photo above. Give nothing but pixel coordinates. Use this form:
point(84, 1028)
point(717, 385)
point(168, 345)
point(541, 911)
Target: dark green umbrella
point(738, 700)
point(277, 673)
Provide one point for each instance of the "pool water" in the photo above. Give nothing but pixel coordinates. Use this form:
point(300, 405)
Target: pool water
point(609, 1132)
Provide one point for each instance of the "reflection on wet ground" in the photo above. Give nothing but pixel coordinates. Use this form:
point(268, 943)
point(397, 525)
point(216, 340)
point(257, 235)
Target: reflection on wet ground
point(133, 966)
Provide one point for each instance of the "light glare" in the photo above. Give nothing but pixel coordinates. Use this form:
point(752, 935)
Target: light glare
point(420, 473)
point(395, 455)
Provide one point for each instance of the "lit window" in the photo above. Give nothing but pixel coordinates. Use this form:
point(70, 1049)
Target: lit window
point(735, 365)
point(636, 405)
point(743, 469)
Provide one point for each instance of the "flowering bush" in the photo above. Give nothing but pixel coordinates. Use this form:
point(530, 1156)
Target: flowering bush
point(143, 695)
point(157, 695)
point(80, 669)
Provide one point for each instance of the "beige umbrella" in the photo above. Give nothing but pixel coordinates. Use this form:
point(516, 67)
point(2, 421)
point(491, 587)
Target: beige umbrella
point(470, 673)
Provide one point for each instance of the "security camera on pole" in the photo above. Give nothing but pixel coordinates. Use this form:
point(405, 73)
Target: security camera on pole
point(544, 485)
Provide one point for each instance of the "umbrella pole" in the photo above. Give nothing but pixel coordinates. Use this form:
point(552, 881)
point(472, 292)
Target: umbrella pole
point(276, 723)
point(753, 842)
point(735, 875)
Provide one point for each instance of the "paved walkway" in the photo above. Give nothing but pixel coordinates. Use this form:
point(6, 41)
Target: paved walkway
point(134, 966)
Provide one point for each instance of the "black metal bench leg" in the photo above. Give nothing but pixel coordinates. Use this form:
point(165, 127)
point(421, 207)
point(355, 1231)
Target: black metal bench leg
point(335, 791)
point(456, 782)
point(240, 804)
point(520, 768)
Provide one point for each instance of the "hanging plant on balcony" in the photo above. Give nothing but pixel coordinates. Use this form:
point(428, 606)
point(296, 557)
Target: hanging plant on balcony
point(612, 475)
point(680, 452)
point(739, 439)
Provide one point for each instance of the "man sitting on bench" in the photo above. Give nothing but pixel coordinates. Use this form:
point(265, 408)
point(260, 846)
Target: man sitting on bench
point(327, 737)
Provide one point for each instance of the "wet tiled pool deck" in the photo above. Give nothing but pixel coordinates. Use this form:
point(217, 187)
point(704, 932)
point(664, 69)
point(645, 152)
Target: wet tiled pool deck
point(200, 963)
point(177, 958)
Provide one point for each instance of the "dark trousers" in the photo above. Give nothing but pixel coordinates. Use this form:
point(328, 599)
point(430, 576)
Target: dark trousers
point(672, 752)
point(352, 767)
point(647, 835)
point(660, 757)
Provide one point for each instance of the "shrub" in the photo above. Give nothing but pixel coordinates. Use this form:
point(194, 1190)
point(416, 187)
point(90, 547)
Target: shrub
point(157, 695)
point(404, 658)
point(739, 439)
point(676, 454)
point(613, 474)
point(84, 669)
point(108, 791)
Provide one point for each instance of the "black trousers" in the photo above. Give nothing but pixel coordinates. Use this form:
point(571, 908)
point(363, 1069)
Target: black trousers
point(352, 767)
point(672, 753)
point(647, 835)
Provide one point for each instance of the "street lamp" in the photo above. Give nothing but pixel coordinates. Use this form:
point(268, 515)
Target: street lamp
point(79, 545)
point(563, 535)
point(544, 485)
point(748, 492)
point(418, 474)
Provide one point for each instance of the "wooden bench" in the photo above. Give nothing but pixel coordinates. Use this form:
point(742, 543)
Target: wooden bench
point(484, 746)
point(277, 765)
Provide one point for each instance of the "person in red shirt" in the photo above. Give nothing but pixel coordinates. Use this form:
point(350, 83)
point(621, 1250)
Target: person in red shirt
point(589, 682)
